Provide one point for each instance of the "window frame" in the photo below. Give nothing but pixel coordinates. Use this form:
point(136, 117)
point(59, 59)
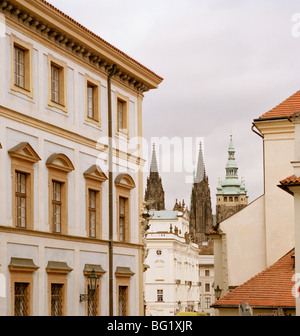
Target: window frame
point(27, 48)
point(96, 97)
point(125, 103)
point(123, 280)
point(21, 271)
point(159, 295)
point(23, 157)
point(124, 185)
point(57, 274)
point(61, 104)
point(57, 202)
point(59, 166)
point(19, 195)
point(94, 177)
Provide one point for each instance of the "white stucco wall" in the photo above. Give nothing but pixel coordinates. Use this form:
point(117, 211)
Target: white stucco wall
point(245, 239)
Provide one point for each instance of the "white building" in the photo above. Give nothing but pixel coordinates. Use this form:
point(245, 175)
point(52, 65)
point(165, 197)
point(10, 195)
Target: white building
point(62, 91)
point(260, 234)
point(178, 278)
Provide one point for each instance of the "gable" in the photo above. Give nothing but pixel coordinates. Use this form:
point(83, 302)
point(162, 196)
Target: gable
point(60, 161)
point(24, 151)
point(96, 173)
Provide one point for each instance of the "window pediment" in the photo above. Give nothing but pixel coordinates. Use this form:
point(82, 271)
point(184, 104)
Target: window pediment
point(25, 152)
point(124, 271)
point(60, 161)
point(95, 173)
point(125, 181)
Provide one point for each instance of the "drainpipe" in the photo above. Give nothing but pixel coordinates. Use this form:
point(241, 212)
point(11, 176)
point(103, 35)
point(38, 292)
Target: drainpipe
point(260, 135)
point(111, 73)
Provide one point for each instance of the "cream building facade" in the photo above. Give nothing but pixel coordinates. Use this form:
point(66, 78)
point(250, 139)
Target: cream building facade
point(64, 214)
point(261, 233)
point(178, 279)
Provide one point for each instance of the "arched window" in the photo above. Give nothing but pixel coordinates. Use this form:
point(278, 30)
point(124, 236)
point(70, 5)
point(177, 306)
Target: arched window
point(59, 166)
point(94, 177)
point(124, 184)
point(23, 157)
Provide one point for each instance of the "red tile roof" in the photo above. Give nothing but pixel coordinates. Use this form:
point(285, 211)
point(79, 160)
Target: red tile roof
point(95, 35)
point(284, 109)
point(273, 287)
point(291, 180)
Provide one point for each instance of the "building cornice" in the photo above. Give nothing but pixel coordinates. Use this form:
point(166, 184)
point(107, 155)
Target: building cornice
point(62, 237)
point(47, 21)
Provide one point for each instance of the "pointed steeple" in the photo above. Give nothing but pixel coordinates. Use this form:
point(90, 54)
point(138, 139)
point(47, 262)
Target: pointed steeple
point(200, 173)
point(201, 218)
point(154, 165)
point(154, 194)
point(231, 166)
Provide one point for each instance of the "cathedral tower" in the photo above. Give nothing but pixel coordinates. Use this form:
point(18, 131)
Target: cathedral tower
point(154, 195)
point(201, 218)
point(231, 192)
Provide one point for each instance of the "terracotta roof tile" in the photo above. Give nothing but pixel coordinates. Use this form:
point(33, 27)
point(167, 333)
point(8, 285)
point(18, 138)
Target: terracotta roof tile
point(98, 37)
point(290, 180)
point(272, 287)
point(284, 109)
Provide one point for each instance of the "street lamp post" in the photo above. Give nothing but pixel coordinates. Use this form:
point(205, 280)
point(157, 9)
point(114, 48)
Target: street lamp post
point(93, 284)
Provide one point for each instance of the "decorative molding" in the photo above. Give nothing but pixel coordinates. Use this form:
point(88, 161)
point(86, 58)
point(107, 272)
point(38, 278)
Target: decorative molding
point(25, 152)
point(125, 181)
point(61, 162)
point(59, 38)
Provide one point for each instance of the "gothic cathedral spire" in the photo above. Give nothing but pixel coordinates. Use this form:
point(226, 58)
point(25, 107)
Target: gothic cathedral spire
point(154, 195)
point(201, 218)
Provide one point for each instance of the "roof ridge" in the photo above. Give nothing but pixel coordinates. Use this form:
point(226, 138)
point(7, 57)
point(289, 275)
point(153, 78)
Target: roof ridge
point(97, 36)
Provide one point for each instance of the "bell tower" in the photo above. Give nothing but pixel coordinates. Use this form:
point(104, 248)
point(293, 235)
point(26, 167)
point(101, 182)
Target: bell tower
point(231, 192)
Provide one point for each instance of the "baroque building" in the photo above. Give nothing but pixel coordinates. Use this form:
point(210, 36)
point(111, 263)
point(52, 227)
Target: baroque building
point(201, 218)
point(154, 194)
point(179, 279)
point(231, 192)
point(66, 217)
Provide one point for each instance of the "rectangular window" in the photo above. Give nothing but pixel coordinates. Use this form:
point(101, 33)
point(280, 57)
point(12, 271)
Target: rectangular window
point(206, 272)
point(123, 293)
point(207, 302)
point(92, 213)
point(207, 287)
point(122, 116)
point(160, 295)
point(19, 67)
point(122, 218)
point(55, 84)
point(92, 92)
point(90, 102)
point(20, 199)
point(21, 299)
point(56, 206)
point(57, 299)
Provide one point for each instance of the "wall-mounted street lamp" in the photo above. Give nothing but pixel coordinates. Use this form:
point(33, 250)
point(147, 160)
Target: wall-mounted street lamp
point(92, 287)
point(218, 291)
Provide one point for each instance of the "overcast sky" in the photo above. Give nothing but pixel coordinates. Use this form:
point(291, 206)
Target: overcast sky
point(224, 63)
